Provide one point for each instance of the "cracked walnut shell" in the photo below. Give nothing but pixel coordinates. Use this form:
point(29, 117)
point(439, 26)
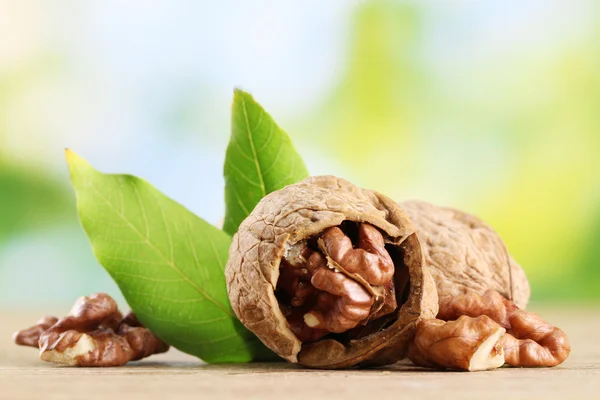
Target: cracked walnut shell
point(330, 275)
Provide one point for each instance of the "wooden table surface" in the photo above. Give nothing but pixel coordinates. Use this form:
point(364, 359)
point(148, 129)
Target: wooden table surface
point(176, 375)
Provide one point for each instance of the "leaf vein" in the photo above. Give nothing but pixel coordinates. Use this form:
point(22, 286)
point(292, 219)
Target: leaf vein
point(167, 231)
point(112, 239)
point(193, 248)
point(147, 278)
point(143, 210)
point(187, 323)
point(268, 140)
point(103, 222)
point(120, 183)
point(283, 180)
point(212, 341)
point(166, 299)
point(239, 201)
point(241, 151)
point(129, 260)
point(246, 177)
point(260, 120)
point(275, 160)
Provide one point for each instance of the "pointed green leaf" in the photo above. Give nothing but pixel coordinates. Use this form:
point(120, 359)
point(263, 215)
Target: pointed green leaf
point(260, 159)
point(167, 262)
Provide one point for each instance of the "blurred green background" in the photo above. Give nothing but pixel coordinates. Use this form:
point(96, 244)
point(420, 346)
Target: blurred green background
point(490, 106)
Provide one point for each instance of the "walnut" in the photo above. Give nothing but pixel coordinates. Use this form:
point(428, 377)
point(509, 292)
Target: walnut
point(330, 275)
point(94, 335)
point(464, 254)
point(529, 341)
point(469, 344)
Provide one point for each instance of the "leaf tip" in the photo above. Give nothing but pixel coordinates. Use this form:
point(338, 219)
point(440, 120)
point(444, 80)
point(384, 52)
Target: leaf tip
point(240, 94)
point(74, 161)
point(69, 155)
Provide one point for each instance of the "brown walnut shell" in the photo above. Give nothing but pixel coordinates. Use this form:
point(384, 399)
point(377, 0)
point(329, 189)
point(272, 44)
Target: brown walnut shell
point(464, 254)
point(299, 212)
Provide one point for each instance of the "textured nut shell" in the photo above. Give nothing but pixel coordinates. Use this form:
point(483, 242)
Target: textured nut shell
point(300, 211)
point(464, 254)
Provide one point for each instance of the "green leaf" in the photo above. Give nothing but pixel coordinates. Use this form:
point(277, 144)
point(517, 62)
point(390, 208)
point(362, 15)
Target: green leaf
point(260, 159)
point(167, 262)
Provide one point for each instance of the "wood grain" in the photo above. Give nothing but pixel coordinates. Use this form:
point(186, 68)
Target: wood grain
point(176, 375)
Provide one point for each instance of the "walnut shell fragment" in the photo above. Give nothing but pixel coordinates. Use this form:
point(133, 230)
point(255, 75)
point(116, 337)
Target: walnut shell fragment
point(309, 274)
point(465, 255)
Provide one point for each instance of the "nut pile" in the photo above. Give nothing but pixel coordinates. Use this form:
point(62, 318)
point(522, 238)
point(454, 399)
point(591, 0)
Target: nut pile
point(330, 275)
point(94, 334)
point(485, 332)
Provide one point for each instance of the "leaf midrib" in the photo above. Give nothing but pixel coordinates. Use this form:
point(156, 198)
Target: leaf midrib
point(169, 262)
point(254, 153)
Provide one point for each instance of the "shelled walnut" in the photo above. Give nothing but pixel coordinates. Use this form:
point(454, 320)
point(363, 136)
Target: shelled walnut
point(470, 344)
point(94, 334)
point(529, 340)
point(486, 332)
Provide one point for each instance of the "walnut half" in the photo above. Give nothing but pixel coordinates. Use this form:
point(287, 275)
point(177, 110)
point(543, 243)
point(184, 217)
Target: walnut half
point(330, 275)
point(469, 344)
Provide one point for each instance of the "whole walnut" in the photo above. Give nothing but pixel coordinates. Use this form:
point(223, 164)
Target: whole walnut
point(464, 255)
point(330, 275)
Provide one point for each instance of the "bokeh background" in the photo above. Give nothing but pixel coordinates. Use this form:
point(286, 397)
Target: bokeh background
point(491, 106)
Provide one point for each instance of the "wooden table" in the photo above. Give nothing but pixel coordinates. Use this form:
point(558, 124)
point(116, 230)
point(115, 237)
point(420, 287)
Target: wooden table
point(176, 375)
